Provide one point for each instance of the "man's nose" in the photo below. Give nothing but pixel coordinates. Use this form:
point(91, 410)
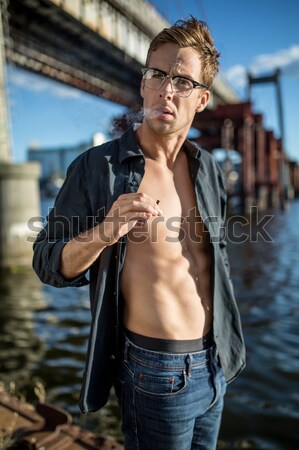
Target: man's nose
point(167, 86)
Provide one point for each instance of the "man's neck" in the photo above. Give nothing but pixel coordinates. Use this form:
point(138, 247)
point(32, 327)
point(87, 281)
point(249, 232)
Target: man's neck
point(164, 149)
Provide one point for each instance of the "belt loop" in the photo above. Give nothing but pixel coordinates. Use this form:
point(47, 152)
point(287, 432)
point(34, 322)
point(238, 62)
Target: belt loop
point(188, 361)
point(126, 351)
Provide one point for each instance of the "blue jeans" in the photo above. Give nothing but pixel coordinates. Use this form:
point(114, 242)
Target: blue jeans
point(170, 401)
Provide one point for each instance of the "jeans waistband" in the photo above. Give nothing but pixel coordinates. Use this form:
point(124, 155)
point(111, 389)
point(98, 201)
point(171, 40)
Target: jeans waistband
point(171, 345)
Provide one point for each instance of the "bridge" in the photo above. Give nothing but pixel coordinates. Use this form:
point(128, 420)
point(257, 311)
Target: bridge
point(98, 46)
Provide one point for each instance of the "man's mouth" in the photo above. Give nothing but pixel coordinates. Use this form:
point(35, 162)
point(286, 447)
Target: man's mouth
point(164, 111)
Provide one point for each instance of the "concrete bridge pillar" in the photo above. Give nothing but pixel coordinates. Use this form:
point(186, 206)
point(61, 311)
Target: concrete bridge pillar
point(5, 152)
point(19, 188)
point(19, 202)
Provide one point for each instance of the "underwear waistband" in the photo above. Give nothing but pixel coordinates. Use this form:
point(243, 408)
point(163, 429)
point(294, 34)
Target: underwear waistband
point(171, 345)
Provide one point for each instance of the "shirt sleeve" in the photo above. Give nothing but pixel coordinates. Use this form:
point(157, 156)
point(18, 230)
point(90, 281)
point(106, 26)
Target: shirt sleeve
point(71, 215)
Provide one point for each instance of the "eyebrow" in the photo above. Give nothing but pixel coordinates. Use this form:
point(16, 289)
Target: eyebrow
point(165, 73)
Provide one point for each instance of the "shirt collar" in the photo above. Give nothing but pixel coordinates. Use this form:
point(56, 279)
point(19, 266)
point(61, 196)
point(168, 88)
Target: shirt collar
point(128, 144)
point(129, 147)
point(192, 149)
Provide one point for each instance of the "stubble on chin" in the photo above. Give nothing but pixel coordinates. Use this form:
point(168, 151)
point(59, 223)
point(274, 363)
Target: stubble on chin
point(156, 126)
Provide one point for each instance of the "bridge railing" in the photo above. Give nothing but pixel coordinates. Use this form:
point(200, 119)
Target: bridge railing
point(128, 25)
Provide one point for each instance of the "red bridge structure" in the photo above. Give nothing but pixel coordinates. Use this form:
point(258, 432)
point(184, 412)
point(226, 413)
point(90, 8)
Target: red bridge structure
point(257, 170)
point(265, 177)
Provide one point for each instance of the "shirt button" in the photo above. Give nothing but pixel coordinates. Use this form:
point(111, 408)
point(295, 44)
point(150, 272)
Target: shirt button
point(142, 161)
point(134, 183)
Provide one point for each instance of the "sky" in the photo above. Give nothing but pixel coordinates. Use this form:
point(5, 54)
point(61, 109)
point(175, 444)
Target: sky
point(257, 36)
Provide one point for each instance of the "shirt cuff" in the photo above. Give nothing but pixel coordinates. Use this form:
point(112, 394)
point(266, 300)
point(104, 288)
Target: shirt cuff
point(53, 269)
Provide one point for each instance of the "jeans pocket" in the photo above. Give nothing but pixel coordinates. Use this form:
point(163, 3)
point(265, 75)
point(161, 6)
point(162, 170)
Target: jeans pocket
point(161, 385)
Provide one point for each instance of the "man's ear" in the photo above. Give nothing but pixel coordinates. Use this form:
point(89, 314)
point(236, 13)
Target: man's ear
point(203, 101)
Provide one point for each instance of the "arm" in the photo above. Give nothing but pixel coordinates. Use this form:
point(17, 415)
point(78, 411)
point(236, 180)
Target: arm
point(65, 220)
point(81, 252)
point(73, 239)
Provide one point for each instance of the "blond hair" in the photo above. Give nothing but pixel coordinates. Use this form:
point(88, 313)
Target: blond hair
point(191, 33)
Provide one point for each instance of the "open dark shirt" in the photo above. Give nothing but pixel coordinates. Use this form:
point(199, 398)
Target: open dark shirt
point(94, 181)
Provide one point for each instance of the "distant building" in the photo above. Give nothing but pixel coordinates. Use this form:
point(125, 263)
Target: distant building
point(54, 162)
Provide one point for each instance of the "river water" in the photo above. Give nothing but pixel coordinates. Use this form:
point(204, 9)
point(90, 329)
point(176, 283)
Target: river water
point(43, 338)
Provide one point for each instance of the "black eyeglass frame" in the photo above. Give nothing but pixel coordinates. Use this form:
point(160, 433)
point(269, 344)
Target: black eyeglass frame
point(166, 75)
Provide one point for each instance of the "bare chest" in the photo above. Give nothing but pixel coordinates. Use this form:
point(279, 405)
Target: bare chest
point(174, 190)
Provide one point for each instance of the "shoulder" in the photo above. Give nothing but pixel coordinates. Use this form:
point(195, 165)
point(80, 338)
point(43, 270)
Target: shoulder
point(106, 151)
point(96, 158)
point(206, 158)
point(209, 165)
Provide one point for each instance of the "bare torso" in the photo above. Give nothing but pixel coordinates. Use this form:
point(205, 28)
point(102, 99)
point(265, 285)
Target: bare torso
point(166, 279)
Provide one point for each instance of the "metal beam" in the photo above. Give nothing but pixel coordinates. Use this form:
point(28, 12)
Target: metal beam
point(111, 47)
point(89, 63)
point(274, 78)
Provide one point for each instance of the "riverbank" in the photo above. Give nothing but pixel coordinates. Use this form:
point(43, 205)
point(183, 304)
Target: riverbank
point(25, 426)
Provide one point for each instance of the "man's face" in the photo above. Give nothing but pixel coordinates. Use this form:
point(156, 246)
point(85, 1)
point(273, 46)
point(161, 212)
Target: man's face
point(165, 112)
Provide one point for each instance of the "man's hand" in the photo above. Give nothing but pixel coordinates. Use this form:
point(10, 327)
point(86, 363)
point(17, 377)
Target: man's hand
point(126, 212)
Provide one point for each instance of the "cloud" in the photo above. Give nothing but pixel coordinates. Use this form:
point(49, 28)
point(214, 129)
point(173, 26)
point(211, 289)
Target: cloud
point(36, 83)
point(237, 76)
point(286, 59)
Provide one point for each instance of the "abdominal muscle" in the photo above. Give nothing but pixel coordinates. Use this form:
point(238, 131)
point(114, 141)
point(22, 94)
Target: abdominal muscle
point(167, 289)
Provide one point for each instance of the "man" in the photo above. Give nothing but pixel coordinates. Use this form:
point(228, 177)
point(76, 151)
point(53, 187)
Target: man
point(144, 213)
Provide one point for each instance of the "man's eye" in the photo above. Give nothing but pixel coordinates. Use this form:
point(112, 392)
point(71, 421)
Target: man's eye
point(157, 75)
point(182, 82)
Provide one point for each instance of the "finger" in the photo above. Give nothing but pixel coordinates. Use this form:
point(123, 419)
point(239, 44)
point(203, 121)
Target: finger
point(135, 206)
point(140, 197)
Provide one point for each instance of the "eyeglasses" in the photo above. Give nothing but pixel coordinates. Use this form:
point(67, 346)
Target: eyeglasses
point(182, 86)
